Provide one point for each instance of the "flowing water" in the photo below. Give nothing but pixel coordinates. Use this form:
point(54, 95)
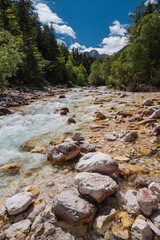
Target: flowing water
point(40, 119)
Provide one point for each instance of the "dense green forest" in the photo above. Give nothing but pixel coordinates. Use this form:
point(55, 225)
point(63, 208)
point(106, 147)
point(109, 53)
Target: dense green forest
point(139, 62)
point(29, 53)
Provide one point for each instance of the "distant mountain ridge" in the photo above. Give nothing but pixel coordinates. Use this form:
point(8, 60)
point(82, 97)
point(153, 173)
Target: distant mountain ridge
point(95, 54)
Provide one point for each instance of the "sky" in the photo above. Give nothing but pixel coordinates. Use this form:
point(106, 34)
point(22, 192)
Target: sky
point(88, 24)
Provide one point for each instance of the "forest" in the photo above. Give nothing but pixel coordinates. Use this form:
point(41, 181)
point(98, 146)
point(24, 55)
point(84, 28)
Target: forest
point(30, 54)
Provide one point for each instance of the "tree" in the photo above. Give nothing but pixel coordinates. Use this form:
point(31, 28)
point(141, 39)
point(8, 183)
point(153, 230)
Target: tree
point(10, 56)
point(94, 77)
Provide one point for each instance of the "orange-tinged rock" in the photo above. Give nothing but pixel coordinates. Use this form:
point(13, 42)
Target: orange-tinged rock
point(38, 201)
point(119, 232)
point(128, 170)
point(33, 189)
point(145, 151)
point(11, 167)
point(125, 219)
point(38, 149)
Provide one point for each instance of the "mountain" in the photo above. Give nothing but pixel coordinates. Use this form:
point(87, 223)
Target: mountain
point(95, 54)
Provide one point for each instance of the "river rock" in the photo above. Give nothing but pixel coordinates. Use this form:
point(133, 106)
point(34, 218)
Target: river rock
point(95, 185)
point(130, 136)
point(86, 147)
point(97, 162)
point(150, 110)
point(61, 96)
point(78, 137)
point(141, 231)
point(157, 130)
point(36, 209)
point(110, 138)
point(11, 167)
point(64, 111)
point(145, 180)
point(3, 208)
point(4, 111)
point(71, 120)
point(155, 188)
point(124, 114)
point(48, 216)
point(48, 228)
point(136, 118)
point(103, 221)
point(73, 209)
point(131, 203)
point(32, 189)
point(100, 116)
point(147, 201)
point(64, 152)
point(17, 228)
point(156, 114)
point(148, 102)
point(156, 219)
point(18, 203)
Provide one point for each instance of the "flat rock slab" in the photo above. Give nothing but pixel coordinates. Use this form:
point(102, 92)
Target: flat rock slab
point(147, 201)
point(18, 203)
point(16, 228)
point(73, 209)
point(63, 152)
point(95, 185)
point(97, 162)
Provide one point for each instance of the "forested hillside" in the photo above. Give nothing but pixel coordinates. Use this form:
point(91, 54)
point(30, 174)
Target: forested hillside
point(139, 62)
point(29, 52)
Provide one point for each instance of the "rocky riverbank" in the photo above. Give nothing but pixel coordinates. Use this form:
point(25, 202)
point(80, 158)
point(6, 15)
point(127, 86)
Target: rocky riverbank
point(14, 96)
point(102, 183)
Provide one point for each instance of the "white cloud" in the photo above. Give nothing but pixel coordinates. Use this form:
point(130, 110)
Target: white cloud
point(77, 45)
point(64, 29)
point(46, 15)
point(117, 29)
point(151, 1)
point(60, 41)
point(116, 40)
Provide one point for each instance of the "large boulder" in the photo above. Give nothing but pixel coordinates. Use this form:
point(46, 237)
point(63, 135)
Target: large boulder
point(141, 230)
point(97, 162)
point(147, 201)
point(73, 209)
point(131, 203)
point(95, 185)
point(18, 203)
point(63, 152)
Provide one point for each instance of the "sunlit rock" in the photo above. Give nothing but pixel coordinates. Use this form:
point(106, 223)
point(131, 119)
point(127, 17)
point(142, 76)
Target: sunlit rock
point(18, 203)
point(78, 136)
point(140, 230)
point(11, 167)
point(97, 162)
point(73, 209)
point(131, 203)
point(64, 152)
point(95, 185)
point(147, 201)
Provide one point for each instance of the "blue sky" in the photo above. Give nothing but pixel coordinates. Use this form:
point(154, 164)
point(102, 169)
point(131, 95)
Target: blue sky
point(88, 24)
